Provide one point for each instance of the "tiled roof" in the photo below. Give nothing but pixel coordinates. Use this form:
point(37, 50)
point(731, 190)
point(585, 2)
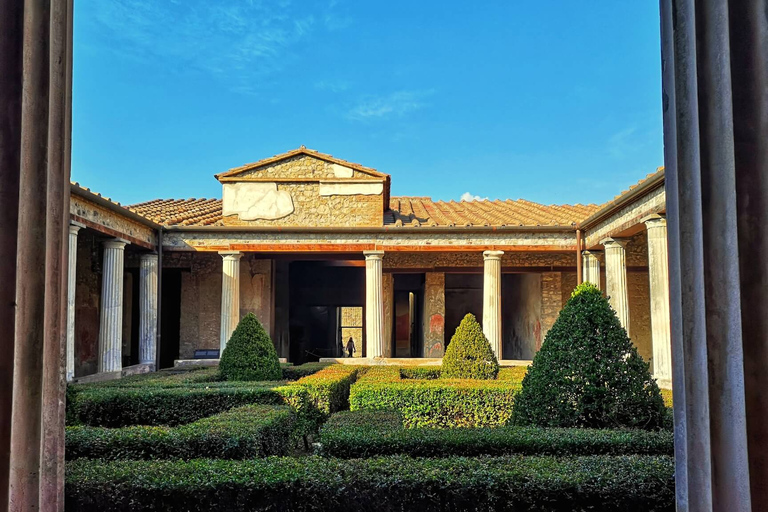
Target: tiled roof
point(404, 211)
point(180, 212)
point(423, 211)
point(301, 151)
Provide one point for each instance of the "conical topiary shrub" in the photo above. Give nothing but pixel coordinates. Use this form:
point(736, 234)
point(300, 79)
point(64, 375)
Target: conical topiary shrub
point(469, 355)
point(588, 373)
point(250, 354)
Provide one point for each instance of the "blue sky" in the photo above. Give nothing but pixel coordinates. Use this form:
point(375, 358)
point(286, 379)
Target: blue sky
point(551, 101)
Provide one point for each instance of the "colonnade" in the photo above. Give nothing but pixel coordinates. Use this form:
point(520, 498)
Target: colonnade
point(110, 344)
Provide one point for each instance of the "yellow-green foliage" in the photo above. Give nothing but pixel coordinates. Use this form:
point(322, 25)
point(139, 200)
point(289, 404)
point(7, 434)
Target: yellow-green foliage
point(445, 403)
point(469, 355)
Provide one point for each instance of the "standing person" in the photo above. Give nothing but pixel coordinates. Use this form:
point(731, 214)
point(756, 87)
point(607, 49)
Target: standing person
point(350, 346)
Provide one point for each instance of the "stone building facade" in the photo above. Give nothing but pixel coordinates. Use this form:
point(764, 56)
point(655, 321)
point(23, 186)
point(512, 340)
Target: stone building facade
point(310, 244)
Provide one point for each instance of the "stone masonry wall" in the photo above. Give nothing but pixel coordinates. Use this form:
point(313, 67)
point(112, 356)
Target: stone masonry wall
point(400, 260)
point(201, 296)
point(310, 207)
point(551, 300)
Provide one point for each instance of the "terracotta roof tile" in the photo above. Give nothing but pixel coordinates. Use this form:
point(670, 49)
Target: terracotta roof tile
point(415, 211)
point(403, 212)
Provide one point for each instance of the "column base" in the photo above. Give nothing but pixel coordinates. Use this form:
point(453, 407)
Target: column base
point(138, 369)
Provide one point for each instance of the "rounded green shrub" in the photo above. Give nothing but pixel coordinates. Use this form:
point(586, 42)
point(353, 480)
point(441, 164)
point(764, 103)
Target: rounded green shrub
point(469, 355)
point(588, 373)
point(250, 354)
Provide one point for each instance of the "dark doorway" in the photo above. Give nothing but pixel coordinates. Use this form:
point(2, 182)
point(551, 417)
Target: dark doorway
point(463, 294)
point(135, 316)
point(318, 290)
point(171, 317)
point(407, 315)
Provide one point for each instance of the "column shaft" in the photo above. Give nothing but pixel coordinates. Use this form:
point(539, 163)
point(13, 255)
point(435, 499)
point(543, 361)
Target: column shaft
point(71, 288)
point(658, 275)
point(111, 326)
point(374, 304)
point(616, 279)
point(591, 267)
point(148, 308)
point(230, 296)
point(492, 300)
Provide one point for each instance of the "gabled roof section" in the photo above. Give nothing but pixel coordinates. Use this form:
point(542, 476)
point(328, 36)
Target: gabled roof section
point(302, 150)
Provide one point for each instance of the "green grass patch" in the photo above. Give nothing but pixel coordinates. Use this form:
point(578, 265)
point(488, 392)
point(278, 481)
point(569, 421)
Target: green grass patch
point(366, 433)
point(240, 433)
point(514, 483)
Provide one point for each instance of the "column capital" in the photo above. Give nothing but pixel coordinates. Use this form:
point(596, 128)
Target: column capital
point(115, 243)
point(613, 242)
point(654, 221)
point(148, 256)
point(596, 254)
point(492, 255)
point(74, 227)
point(231, 255)
point(373, 255)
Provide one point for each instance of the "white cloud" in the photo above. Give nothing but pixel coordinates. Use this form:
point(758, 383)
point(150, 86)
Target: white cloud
point(395, 104)
point(240, 42)
point(466, 196)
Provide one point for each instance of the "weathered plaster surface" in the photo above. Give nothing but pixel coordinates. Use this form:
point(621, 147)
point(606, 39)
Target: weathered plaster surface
point(206, 240)
point(521, 303)
point(116, 223)
point(628, 216)
point(350, 189)
point(434, 314)
point(256, 201)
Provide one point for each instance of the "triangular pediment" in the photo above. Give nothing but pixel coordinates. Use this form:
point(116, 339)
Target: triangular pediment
point(301, 164)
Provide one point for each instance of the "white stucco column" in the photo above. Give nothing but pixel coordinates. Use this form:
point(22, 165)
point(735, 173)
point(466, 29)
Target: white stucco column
point(111, 326)
point(658, 275)
point(492, 299)
point(374, 305)
point(74, 228)
point(616, 278)
point(148, 308)
point(230, 296)
point(591, 266)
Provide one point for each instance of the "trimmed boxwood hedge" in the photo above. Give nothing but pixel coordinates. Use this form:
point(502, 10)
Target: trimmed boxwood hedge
point(303, 370)
point(122, 407)
point(514, 483)
point(313, 397)
point(436, 403)
point(240, 433)
point(353, 434)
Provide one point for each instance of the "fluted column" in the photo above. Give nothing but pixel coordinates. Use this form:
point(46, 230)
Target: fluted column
point(658, 276)
point(230, 296)
point(591, 266)
point(71, 284)
point(374, 304)
point(616, 278)
point(111, 325)
point(492, 299)
point(148, 308)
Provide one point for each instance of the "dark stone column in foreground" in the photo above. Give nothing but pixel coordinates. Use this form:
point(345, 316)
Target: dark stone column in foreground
point(715, 93)
point(35, 124)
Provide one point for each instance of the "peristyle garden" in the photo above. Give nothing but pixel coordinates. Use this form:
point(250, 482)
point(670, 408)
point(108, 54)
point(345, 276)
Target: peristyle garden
point(585, 427)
